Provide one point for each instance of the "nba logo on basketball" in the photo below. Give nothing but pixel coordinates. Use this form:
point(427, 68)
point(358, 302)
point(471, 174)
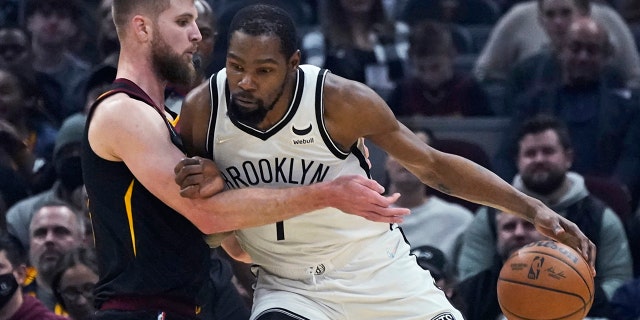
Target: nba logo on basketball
point(534, 270)
point(444, 316)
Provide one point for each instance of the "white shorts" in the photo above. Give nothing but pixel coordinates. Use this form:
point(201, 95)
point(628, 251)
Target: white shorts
point(381, 282)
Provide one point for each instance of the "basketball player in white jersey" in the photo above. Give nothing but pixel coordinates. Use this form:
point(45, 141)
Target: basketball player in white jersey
point(268, 121)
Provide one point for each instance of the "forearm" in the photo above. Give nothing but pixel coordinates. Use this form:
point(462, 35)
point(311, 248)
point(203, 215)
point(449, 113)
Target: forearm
point(252, 207)
point(465, 179)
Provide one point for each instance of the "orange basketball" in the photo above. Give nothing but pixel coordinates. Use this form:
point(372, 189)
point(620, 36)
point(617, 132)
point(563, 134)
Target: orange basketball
point(545, 280)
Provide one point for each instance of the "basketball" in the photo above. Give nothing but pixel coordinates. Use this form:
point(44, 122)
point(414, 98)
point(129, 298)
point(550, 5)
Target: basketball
point(545, 280)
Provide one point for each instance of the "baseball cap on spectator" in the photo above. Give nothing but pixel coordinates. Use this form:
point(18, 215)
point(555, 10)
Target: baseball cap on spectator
point(432, 259)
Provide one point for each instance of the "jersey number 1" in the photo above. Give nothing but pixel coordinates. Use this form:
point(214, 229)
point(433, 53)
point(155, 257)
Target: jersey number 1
point(280, 230)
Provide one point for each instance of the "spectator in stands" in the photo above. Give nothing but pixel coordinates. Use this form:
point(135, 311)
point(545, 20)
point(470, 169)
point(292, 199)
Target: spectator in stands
point(432, 221)
point(541, 69)
point(14, 305)
point(52, 23)
point(543, 160)
point(74, 279)
point(15, 50)
point(603, 119)
point(55, 230)
point(520, 33)
point(68, 185)
point(431, 86)
point(21, 118)
point(478, 292)
point(107, 42)
point(356, 40)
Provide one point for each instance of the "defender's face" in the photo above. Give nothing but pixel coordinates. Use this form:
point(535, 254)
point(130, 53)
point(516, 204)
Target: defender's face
point(257, 73)
point(175, 42)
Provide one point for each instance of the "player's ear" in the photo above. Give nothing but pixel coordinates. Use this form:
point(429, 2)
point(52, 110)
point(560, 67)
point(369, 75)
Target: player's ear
point(294, 61)
point(141, 27)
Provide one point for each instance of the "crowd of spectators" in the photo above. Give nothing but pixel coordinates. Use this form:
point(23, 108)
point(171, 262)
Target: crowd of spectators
point(576, 60)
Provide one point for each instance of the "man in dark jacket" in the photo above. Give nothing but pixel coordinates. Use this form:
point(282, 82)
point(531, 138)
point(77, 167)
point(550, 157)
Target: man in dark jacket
point(14, 305)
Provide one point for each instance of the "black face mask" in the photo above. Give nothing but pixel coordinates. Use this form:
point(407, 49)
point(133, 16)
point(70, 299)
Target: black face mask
point(8, 286)
point(69, 172)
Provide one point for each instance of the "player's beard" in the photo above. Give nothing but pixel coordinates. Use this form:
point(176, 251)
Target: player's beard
point(254, 116)
point(544, 183)
point(169, 65)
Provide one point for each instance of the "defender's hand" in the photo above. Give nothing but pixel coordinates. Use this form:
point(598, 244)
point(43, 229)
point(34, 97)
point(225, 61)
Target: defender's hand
point(198, 178)
point(363, 197)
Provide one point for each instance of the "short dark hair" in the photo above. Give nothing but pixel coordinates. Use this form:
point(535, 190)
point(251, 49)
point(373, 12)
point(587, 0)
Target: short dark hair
point(430, 38)
point(15, 252)
point(73, 8)
point(542, 122)
point(261, 19)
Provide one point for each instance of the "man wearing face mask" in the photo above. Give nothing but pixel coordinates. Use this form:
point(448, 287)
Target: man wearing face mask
point(67, 187)
point(14, 305)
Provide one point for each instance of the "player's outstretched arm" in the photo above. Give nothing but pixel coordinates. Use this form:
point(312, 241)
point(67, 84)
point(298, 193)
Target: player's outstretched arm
point(354, 194)
point(354, 110)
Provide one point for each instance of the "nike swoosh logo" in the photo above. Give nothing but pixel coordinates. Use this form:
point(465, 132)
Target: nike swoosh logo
point(301, 132)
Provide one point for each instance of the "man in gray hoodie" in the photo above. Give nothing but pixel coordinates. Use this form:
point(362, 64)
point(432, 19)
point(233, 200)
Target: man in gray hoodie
point(543, 160)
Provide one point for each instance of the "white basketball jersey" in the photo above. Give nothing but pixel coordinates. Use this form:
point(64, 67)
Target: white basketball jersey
point(296, 151)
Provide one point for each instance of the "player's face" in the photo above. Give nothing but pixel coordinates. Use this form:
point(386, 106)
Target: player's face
point(257, 73)
point(513, 233)
point(53, 231)
point(543, 162)
point(555, 17)
point(172, 60)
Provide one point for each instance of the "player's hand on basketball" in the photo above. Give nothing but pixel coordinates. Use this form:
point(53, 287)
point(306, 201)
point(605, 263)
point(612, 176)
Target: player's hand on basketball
point(561, 229)
point(198, 178)
point(361, 196)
